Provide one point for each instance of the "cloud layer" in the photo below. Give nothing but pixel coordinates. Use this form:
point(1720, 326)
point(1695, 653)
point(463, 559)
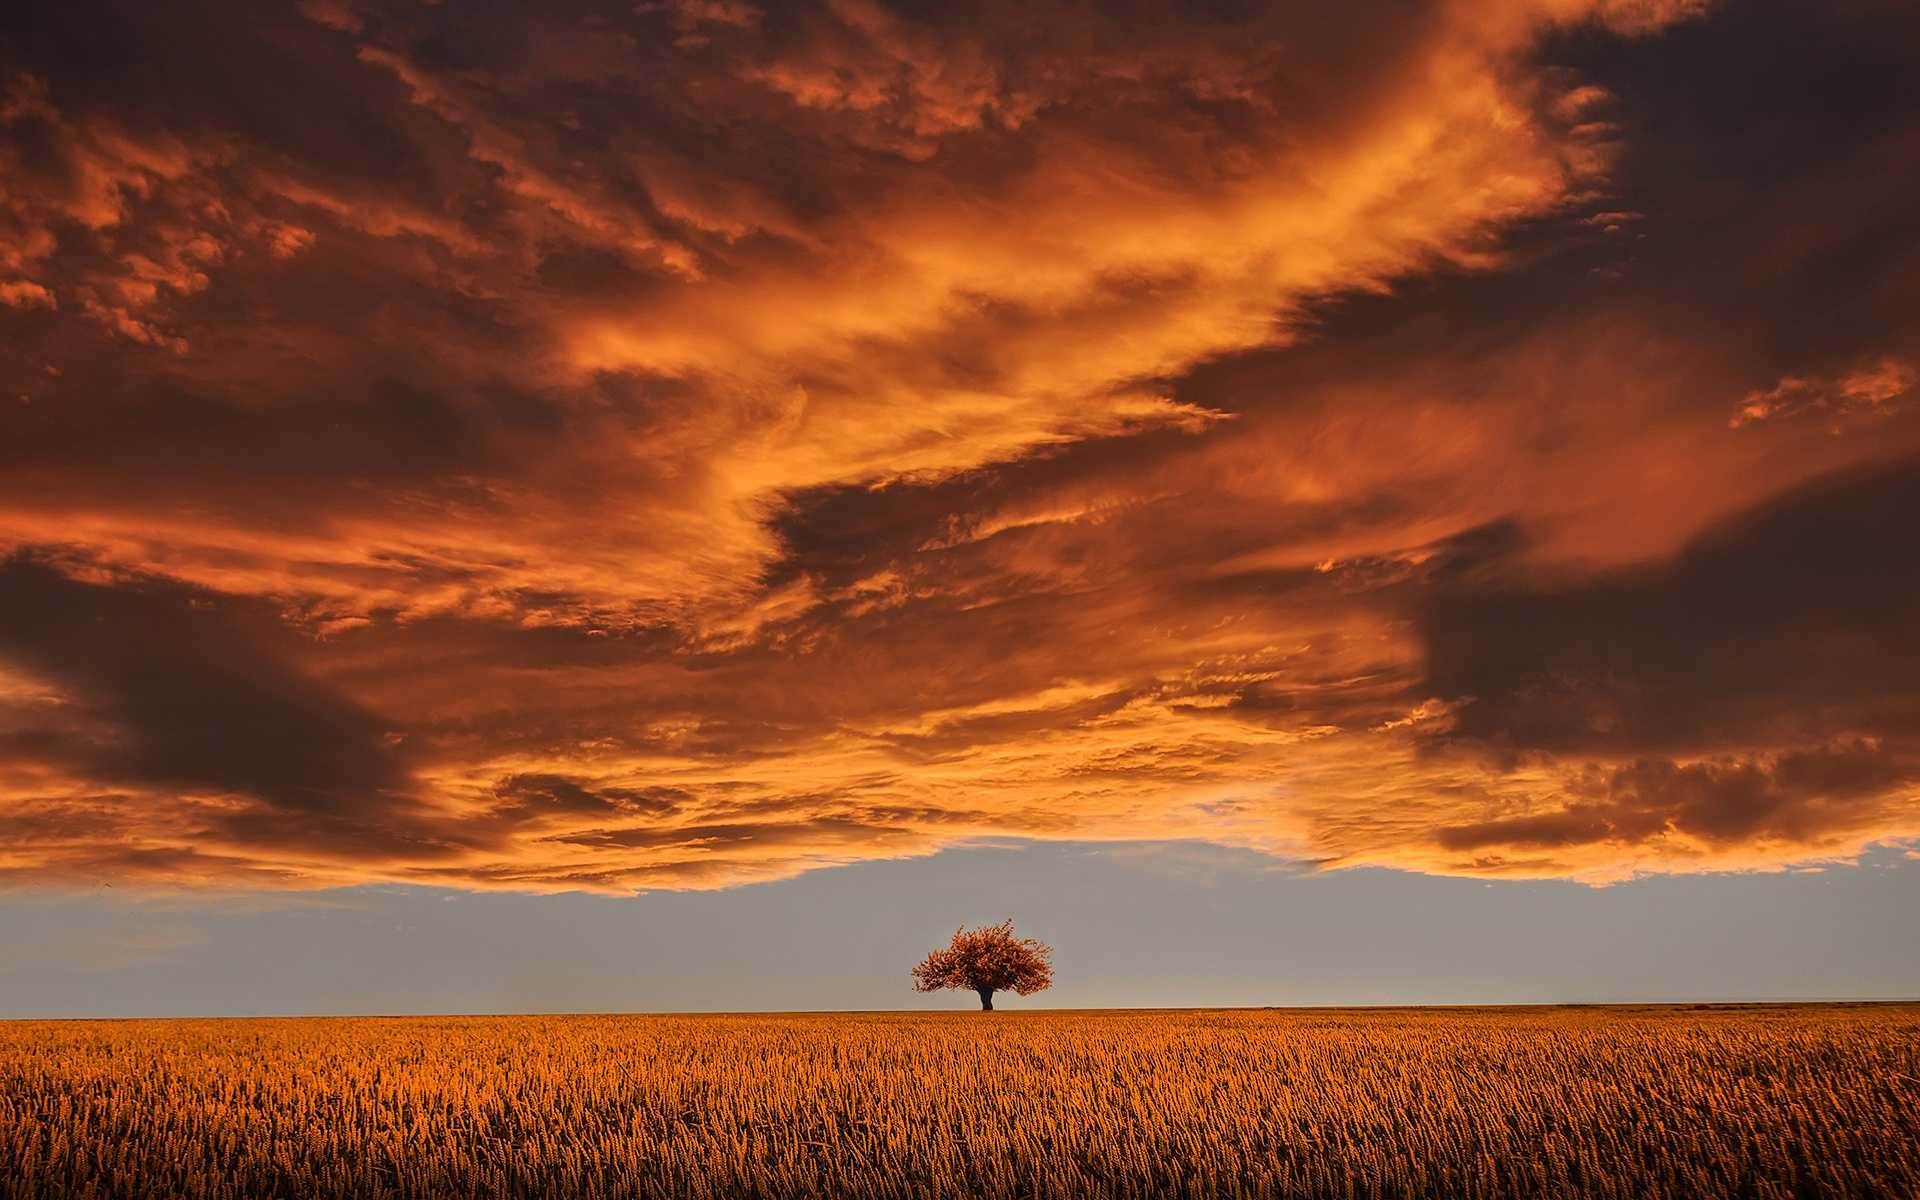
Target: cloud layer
point(586, 448)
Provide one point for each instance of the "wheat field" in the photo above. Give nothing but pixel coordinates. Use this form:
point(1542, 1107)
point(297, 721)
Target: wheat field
point(1604, 1102)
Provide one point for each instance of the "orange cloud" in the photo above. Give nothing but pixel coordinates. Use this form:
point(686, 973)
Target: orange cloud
point(1871, 388)
point(713, 443)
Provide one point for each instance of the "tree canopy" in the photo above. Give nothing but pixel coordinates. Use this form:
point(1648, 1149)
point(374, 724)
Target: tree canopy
point(987, 960)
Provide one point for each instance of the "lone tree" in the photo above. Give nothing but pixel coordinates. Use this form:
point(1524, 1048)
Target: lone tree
point(987, 960)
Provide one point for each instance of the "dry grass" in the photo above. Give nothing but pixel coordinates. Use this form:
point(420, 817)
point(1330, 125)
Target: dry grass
point(1549, 1102)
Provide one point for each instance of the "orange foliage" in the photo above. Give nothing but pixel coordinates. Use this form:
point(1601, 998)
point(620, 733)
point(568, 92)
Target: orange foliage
point(987, 960)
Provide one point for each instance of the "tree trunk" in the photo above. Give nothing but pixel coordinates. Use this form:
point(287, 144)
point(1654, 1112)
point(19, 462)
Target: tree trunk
point(986, 999)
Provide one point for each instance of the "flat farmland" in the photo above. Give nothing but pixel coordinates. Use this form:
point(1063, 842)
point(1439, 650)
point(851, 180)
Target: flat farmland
point(1759, 1101)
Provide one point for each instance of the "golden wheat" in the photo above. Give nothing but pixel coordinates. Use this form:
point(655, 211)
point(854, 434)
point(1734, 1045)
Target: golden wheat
point(1762, 1102)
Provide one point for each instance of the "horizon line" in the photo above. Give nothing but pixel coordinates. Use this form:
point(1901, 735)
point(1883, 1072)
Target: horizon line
point(1842, 1002)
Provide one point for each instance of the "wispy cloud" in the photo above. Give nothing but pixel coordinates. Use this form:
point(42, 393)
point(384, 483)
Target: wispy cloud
point(542, 449)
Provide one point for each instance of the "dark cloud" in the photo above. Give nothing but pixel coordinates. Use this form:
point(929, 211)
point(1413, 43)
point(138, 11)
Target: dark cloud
point(196, 691)
point(1801, 798)
point(173, 691)
point(761, 833)
point(529, 797)
point(1790, 622)
point(582, 446)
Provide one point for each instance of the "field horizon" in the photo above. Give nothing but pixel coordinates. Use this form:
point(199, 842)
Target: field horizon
point(1740, 1099)
point(1005, 1009)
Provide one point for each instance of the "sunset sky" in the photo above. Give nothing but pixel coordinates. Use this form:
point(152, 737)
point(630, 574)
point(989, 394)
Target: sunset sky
point(1303, 473)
